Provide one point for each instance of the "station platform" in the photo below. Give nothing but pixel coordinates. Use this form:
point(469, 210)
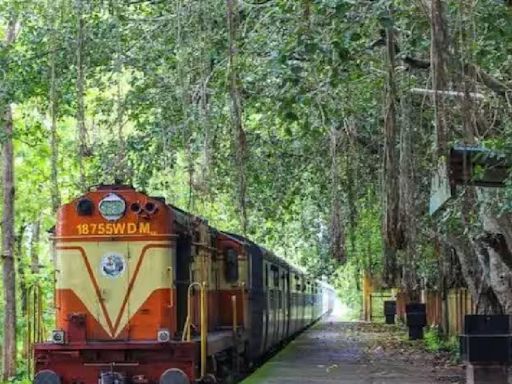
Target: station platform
point(355, 353)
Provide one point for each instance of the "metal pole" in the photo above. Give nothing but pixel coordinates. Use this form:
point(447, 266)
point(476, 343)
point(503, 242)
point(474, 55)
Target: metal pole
point(233, 305)
point(204, 329)
point(243, 304)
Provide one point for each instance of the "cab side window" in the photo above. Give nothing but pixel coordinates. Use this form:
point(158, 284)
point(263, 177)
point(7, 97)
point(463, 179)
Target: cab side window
point(231, 265)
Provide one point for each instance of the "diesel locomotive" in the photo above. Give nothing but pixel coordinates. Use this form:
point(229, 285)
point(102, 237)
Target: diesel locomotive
point(148, 293)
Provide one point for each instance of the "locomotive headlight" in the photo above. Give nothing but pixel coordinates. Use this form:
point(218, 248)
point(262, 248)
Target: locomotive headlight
point(85, 207)
point(58, 336)
point(46, 377)
point(163, 336)
point(112, 207)
point(174, 376)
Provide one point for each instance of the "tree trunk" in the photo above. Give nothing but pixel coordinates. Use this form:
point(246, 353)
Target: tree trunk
point(9, 271)
point(34, 247)
point(21, 268)
point(53, 100)
point(494, 247)
point(475, 275)
point(439, 58)
point(407, 203)
point(22, 278)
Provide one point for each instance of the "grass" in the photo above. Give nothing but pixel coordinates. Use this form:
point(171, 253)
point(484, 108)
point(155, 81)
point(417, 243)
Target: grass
point(435, 342)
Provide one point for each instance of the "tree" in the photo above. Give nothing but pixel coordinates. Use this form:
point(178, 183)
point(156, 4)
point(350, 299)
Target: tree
point(8, 258)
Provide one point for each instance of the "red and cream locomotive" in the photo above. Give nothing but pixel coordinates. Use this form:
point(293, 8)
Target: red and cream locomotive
point(148, 293)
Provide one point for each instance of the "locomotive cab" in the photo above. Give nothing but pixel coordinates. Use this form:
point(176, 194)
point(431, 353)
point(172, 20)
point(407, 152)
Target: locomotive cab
point(114, 267)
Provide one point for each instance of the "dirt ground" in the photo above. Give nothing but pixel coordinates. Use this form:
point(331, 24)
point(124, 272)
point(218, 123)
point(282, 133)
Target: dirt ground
point(357, 353)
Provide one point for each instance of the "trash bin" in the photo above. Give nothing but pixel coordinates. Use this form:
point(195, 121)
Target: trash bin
point(486, 347)
point(390, 311)
point(416, 314)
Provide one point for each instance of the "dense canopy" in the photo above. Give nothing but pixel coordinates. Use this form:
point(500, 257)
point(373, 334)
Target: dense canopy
point(315, 127)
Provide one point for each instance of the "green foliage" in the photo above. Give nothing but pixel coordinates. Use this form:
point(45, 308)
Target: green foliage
point(347, 284)
point(435, 342)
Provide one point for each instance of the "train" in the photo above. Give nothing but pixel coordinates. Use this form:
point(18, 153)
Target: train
point(148, 293)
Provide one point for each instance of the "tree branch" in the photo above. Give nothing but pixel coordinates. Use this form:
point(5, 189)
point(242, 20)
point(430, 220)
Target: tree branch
point(431, 92)
point(472, 70)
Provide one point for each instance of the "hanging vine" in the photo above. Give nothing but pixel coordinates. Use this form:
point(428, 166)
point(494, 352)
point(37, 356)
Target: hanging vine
point(439, 59)
point(204, 97)
point(337, 230)
point(123, 173)
point(408, 211)
point(80, 84)
point(53, 98)
point(392, 227)
point(236, 107)
point(351, 184)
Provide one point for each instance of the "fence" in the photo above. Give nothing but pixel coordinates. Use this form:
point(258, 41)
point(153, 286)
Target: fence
point(377, 305)
point(459, 304)
point(447, 314)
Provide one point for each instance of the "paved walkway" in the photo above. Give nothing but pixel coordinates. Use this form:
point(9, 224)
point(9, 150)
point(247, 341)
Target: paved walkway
point(355, 353)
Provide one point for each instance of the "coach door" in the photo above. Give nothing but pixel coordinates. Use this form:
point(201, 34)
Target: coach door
point(266, 311)
point(277, 302)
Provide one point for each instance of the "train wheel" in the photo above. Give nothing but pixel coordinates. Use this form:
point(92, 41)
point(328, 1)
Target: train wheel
point(209, 379)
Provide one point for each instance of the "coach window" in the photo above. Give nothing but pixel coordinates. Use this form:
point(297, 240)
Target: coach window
point(275, 276)
point(231, 266)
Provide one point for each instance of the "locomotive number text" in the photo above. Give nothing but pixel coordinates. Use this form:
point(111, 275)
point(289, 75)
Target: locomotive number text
point(114, 229)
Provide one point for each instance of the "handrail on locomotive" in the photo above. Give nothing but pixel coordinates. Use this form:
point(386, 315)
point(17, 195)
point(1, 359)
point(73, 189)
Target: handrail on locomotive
point(203, 322)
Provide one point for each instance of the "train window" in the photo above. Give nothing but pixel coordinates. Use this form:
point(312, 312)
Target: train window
point(231, 265)
point(276, 278)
